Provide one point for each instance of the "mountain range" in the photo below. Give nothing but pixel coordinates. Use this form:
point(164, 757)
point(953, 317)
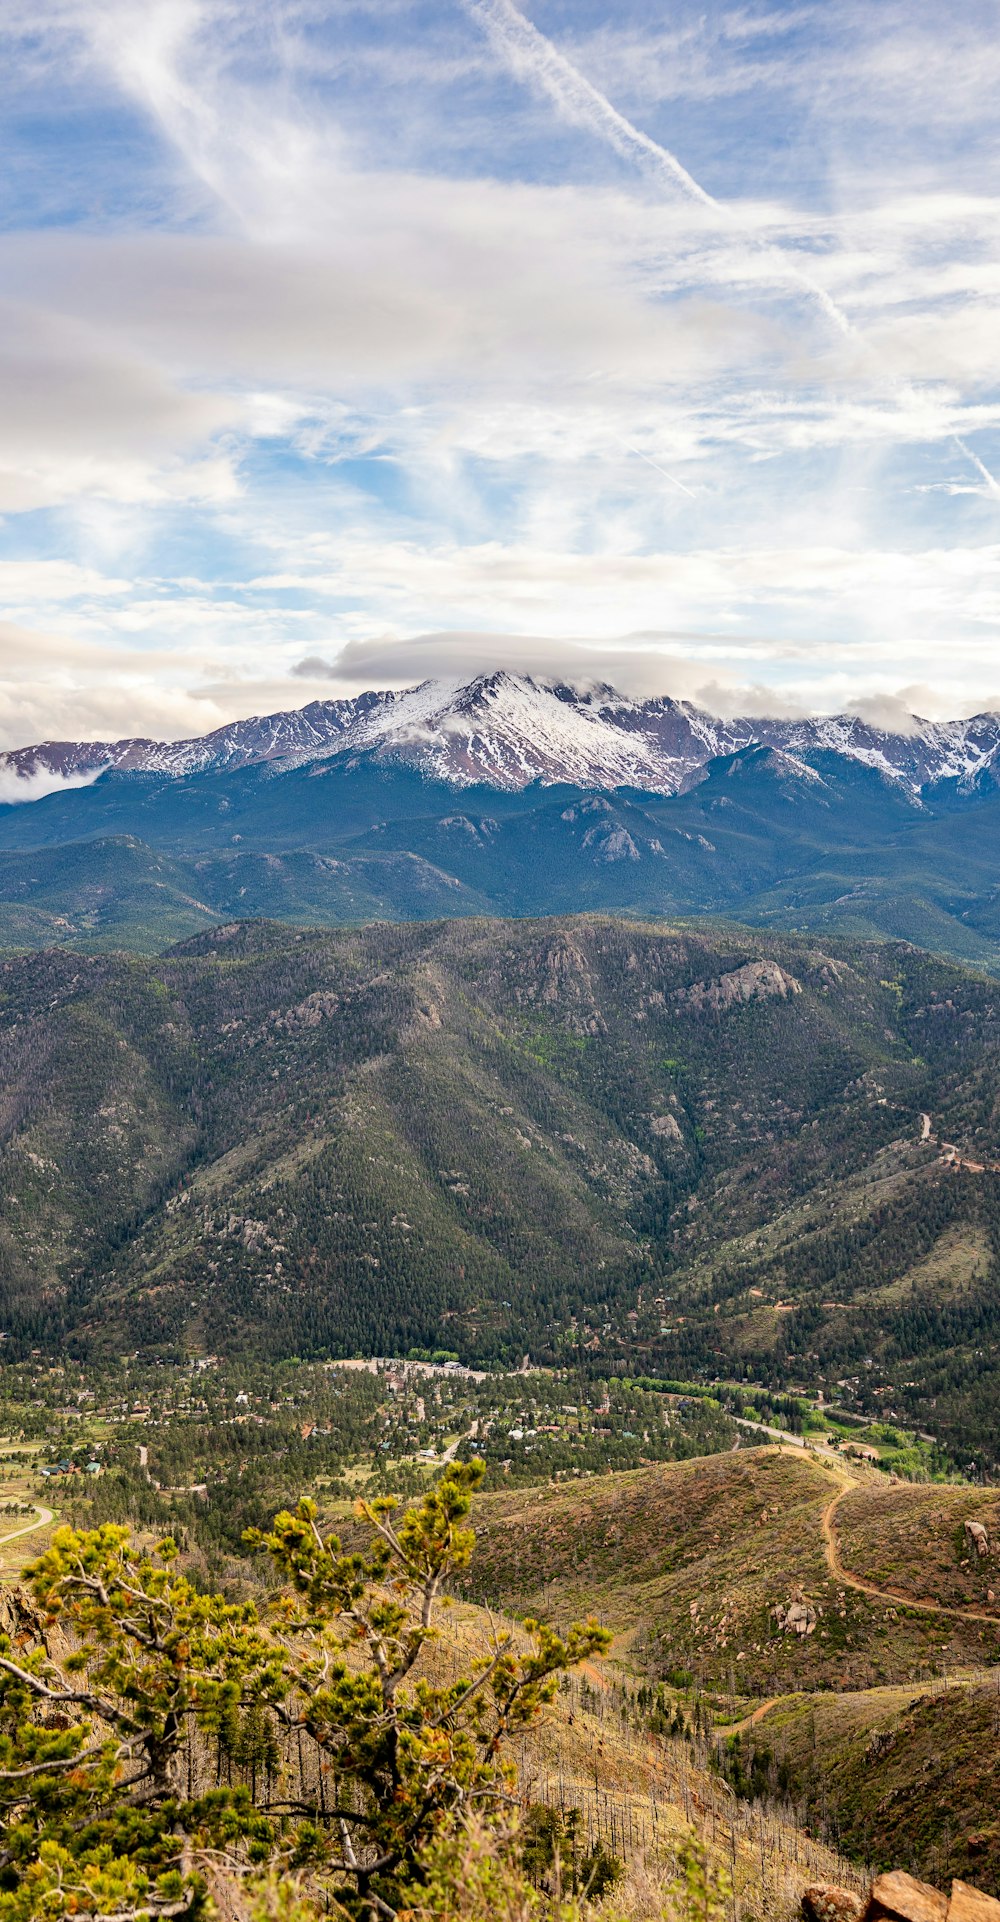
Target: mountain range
point(507, 731)
point(506, 795)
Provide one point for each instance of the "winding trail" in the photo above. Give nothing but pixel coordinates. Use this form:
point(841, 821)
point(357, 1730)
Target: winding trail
point(834, 1463)
point(962, 1612)
point(896, 1597)
point(726, 1729)
point(959, 1611)
point(45, 1516)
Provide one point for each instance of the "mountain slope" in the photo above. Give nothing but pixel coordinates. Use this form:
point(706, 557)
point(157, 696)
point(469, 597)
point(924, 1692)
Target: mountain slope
point(118, 893)
point(898, 1774)
point(511, 796)
point(688, 1563)
point(657, 1149)
point(136, 860)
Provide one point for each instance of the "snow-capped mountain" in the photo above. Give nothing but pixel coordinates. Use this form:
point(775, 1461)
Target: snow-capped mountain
point(506, 730)
point(300, 733)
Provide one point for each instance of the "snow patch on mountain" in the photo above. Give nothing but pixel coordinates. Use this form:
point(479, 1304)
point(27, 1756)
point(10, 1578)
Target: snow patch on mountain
point(506, 731)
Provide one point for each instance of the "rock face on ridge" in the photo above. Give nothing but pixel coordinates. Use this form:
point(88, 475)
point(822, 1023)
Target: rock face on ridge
point(754, 981)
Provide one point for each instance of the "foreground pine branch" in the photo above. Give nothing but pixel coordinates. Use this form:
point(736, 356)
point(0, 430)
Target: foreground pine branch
point(103, 1810)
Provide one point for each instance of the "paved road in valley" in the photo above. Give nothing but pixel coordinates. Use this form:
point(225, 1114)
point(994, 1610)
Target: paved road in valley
point(448, 1454)
point(45, 1516)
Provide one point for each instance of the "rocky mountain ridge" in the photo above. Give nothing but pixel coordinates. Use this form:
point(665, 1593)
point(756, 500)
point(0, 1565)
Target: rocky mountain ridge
point(508, 731)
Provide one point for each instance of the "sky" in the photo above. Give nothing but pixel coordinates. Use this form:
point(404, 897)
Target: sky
point(346, 342)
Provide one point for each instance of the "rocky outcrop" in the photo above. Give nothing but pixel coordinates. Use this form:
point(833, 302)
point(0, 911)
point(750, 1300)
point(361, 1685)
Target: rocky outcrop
point(797, 1617)
point(754, 981)
point(898, 1897)
point(310, 1013)
point(560, 976)
point(27, 1625)
point(971, 1905)
point(825, 1902)
point(20, 1617)
point(977, 1540)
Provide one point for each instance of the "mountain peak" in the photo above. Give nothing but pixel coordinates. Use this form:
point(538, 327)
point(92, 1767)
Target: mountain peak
point(507, 730)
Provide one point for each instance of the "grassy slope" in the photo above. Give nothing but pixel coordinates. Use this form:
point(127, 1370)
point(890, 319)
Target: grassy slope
point(912, 1539)
point(687, 1561)
point(906, 1778)
point(643, 1794)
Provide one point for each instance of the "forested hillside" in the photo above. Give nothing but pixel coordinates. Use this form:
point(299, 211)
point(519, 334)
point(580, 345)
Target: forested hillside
point(832, 844)
point(696, 1152)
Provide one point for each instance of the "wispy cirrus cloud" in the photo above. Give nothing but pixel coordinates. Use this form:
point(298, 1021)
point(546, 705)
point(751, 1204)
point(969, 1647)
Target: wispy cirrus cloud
point(680, 327)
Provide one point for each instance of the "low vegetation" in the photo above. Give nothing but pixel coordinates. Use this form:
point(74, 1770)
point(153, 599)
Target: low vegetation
point(690, 1565)
point(897, 1777)
point(915, 1541)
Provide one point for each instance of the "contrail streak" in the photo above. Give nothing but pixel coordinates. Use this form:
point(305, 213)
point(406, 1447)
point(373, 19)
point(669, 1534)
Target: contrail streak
point(650, 462)
point(534, 58)
point(992, 483)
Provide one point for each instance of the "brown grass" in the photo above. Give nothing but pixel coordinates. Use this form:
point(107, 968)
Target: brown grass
point(686, 1562)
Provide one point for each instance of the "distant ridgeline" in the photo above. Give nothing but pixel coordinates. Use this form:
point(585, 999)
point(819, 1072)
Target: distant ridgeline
point(505, 796)
point(647, 1150)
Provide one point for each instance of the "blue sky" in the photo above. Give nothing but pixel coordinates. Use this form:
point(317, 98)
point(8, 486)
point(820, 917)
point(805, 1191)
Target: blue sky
point(346, 343)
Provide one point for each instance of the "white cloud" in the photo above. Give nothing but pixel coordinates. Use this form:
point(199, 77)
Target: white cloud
point(491, 381)
point(17, 788)
point(84, 413)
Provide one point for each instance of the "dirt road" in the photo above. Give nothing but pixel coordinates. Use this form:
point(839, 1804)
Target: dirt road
point(749, 1721)
point(45, 1516)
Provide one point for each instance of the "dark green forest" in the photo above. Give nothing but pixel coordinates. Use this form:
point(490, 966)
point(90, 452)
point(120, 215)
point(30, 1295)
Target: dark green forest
point(632, 1148)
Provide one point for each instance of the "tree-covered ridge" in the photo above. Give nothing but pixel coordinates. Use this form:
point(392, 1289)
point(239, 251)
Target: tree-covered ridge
point(827, 843)
point(669, 1149)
